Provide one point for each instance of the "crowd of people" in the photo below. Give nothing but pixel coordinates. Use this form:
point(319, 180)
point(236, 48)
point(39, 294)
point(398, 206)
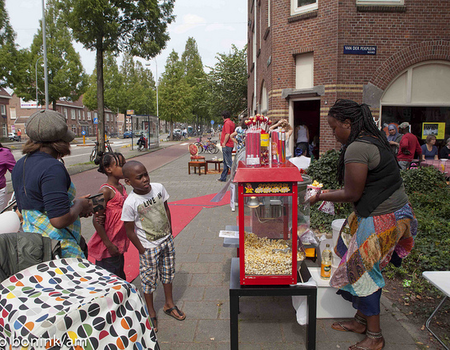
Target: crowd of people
point(382, 226)
point(46, 199)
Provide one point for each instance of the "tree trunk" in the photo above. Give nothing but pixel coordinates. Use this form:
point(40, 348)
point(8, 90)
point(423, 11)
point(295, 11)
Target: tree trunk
point(100, 96)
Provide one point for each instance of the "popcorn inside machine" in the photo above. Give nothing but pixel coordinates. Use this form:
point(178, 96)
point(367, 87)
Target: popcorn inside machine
point(267, 216)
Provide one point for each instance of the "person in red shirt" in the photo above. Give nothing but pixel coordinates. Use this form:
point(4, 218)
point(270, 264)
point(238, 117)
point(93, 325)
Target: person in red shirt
point(19, 133)
point(407, 147)
point(227, 144)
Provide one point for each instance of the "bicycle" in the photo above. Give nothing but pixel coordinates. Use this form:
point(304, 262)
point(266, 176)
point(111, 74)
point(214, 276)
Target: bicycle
point(95, 150)
point(207, 147)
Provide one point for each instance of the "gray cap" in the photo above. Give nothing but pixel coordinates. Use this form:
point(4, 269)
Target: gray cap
point(48, 126)
point(403, 125)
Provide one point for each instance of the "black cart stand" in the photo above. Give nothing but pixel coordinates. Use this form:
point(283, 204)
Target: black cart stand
point(236, 291)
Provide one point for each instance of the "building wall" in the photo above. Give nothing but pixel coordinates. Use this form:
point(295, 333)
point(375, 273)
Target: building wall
point(77, 125)
point(404, 35)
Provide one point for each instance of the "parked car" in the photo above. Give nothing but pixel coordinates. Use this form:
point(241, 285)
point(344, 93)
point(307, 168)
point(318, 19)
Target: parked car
point(13, 136)
point(127, 134)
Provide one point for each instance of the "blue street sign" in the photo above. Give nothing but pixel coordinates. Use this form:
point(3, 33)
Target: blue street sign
point(95, 120)
point(212, 122)
point(83, 132)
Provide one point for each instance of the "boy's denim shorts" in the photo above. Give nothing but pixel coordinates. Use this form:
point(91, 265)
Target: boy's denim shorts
point(159, 260)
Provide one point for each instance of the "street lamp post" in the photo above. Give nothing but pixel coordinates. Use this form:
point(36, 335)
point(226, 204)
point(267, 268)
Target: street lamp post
point(35, 69)
point(44, 44)
point(157, 99)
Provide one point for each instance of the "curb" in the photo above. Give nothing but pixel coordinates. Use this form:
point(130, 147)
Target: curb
point(400, 317)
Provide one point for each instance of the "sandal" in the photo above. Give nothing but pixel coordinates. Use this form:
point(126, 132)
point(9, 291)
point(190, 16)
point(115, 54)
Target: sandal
point(339, 326)
point(371, 335)
point(170, 312)
point(154, 324)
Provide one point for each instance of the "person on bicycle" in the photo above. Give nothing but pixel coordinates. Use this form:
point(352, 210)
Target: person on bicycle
point(141, 141)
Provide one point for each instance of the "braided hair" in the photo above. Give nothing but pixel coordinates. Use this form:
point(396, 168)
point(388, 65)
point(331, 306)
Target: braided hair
point(105, 159)
point(362, 124)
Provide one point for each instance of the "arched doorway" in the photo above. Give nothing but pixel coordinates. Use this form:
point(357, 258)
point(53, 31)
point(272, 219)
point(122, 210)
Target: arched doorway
point(420, 96)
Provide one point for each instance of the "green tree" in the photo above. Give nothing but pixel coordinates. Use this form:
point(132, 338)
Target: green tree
point(138, 88)
point(66, 76)
point(113, 82)
point(174, 92)
point(195, 76)
point(227, 83)
point(136, 27)
point(13, 62)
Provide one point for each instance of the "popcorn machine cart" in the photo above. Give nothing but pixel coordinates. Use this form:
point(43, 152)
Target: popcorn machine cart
point(267, 219)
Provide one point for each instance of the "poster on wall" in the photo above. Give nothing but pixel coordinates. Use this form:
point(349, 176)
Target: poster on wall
point(433, 128)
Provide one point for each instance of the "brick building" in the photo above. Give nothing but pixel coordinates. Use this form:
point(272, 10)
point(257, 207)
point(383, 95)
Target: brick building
point(5, 97)
point(78, 117)
point(394, 55)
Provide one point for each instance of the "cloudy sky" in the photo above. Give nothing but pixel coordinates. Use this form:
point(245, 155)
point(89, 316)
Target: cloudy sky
point(215, 25)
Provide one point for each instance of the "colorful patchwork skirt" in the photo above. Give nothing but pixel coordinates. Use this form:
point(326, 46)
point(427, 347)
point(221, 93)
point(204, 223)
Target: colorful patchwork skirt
point(368, 247)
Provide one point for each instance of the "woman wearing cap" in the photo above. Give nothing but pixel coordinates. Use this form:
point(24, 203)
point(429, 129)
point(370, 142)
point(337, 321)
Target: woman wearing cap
point(429, 150)
point(382, 226)
point(44, 191)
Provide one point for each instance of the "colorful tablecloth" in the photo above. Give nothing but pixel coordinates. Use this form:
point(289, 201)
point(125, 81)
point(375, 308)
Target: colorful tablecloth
point(72, 304)
point(442, 166)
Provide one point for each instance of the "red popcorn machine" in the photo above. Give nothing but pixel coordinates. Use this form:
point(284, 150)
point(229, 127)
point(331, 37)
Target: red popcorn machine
point(267, 217)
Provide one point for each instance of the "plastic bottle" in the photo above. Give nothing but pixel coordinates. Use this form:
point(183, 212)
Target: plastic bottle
point(327, 258)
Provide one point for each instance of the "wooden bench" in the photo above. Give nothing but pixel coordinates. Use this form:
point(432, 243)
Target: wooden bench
point(197, 165)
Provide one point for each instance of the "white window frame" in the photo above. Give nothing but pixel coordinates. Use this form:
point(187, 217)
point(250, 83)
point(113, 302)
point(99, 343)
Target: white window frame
point(83, 113)
point(3, 109)
point(72, 114)
point(12, 113)
point(295, 10)
point(107, 117)
point(79, 114)
point(65, 112)
point(380, 2)
point(88, 115)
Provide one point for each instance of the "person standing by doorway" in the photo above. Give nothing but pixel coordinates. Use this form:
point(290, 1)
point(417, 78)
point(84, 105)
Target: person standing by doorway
point(227, 144)
point(19, 135)
point(407, 147)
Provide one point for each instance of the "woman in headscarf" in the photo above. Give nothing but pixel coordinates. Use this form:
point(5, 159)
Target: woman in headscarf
point(382, 226)
point(394, 138)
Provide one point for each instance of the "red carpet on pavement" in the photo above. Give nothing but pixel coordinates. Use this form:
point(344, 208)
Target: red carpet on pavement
point(182, 212)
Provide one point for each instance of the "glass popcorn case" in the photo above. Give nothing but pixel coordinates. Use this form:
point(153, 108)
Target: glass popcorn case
point(267, 217)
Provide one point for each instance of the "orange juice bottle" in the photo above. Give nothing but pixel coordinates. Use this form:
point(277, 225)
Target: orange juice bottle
point(327, 257)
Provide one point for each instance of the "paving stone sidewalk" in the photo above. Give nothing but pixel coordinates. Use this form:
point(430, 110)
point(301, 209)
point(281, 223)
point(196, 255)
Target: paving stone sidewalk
point(201, 287)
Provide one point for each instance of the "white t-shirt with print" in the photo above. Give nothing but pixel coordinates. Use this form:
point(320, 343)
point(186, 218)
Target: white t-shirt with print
point(147, 211)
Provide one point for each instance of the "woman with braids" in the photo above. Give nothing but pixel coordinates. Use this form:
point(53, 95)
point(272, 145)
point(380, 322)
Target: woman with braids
point(382, 226)
point(109, 243)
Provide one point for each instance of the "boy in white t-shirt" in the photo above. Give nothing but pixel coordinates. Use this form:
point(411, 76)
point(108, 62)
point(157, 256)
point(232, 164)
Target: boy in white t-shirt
point(148, 224)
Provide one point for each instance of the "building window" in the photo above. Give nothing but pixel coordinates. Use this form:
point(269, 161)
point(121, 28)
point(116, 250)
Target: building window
point(95, 115)
point(83, 114)
point(304, 71)
point(79, 114)
point(3, 109)
point(264, 105)
point(74, 129)
point(107, 117)
point(72, 114)
point(301, 6)
point(268, 13)
point(380, 2)
point(12, 111)
point(89, 115)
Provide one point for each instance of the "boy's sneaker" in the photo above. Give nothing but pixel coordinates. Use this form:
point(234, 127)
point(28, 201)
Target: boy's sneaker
point(220, 180)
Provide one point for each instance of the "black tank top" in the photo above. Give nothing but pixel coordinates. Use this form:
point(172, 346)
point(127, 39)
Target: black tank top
point(381, 181)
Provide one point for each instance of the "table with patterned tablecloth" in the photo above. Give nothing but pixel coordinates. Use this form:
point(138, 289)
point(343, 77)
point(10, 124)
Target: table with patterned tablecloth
point(72, 304)
point(443, 165)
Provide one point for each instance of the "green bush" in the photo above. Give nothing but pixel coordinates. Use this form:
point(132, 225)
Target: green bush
point(324, 171)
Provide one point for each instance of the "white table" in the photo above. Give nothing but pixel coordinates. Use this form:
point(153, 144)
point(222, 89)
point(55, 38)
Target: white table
point(441, 280)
